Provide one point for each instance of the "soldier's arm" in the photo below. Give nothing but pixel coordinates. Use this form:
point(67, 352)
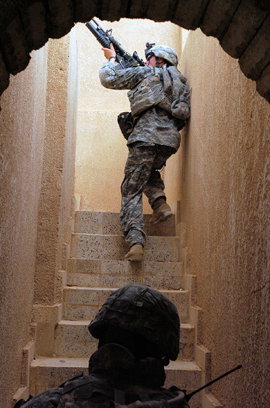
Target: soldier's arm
point(114, 78)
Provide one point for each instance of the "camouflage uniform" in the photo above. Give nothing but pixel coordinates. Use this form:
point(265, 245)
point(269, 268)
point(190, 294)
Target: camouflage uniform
point(141, 175)
point(154, 139)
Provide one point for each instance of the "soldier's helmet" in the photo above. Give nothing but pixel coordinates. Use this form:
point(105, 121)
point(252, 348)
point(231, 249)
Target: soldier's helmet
point(144, 311)
point(163, 51)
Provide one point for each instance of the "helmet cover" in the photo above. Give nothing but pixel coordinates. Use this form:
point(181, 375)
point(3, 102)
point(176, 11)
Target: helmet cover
point(165, 52)
point(142, 310)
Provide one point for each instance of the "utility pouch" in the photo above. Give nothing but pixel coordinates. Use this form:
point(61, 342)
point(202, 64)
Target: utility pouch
point(126, 123)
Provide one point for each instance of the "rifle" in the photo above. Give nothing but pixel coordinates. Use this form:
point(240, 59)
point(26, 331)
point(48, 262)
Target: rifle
point(105, 38)
point(182, 396)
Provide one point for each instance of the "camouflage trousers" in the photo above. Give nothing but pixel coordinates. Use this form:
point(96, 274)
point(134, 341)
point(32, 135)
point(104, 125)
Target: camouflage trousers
point(141, 176)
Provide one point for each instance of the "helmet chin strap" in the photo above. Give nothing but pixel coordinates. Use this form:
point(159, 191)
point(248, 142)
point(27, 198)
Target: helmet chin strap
point(160, 64)
point(157, 63)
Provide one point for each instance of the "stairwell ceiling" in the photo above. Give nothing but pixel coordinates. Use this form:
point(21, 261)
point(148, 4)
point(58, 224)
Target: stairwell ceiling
point(241, 26)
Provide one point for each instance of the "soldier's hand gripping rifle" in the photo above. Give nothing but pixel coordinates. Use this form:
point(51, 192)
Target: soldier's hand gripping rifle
point(124, 59)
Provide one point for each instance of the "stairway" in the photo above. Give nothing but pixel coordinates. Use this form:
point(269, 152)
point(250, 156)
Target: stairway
point(95, 269)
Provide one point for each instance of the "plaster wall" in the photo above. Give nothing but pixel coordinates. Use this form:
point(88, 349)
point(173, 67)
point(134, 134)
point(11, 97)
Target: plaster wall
point(67, 205)
point(58, 171)
point(101, 148)
point(225, 201)
point(37, 145)
point(22, 120)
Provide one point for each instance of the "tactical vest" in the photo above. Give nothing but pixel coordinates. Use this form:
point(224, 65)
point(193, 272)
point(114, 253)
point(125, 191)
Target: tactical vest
point(149, 92)
point(94, 392)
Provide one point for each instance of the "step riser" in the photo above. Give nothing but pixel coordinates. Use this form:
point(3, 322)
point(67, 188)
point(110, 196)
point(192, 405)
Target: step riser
point(45, 378)
point(76, 341)
point(188, 381)
point(108, 224)
point(114, 274)
point(84, 303)
point(110, 247)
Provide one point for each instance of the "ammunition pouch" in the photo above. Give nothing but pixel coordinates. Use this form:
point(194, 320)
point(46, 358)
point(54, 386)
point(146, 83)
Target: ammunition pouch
point(126, 123)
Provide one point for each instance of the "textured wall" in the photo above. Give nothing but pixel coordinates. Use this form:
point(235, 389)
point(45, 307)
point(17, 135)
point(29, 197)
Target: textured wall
point(101, 148)
point(58, 168)
point(68, 181)
point(226, 206)
point(38, 120)
point(21, 150)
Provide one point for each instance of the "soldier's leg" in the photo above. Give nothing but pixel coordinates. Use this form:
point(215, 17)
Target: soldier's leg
point(137, 172)
point(154, 188)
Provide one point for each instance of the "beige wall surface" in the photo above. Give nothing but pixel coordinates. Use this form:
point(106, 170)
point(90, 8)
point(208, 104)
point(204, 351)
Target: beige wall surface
point(226, 208)
point(68, 167)
point(58, 167)
point(101, 149)
point(37, 122)
point(21, 150)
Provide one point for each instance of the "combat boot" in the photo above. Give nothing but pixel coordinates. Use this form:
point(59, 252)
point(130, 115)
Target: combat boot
point(161, 213)
point(135, 253)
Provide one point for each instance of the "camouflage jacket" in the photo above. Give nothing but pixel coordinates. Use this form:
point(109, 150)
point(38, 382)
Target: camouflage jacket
point(113, 383)
point(154, 125)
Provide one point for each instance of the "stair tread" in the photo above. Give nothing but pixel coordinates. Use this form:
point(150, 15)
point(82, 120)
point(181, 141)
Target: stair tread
point(60, 362)
point(183, 365)
point(126, 262)
point(121, 236)
point(83, 363)
point(171, 291)
point(66, 322)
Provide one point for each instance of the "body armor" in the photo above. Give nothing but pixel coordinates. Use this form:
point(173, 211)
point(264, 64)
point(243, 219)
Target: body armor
point(147, 93)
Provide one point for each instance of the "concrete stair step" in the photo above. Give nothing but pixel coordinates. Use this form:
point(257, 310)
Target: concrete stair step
point(115, 273)
point(114, 247)
point(89, 222)
point(81, 303)
point(46, 373)
point(72, 339)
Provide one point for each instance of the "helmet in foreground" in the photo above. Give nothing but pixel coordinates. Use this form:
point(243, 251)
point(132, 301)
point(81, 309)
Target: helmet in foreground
point(143, 311)
point(163, 51)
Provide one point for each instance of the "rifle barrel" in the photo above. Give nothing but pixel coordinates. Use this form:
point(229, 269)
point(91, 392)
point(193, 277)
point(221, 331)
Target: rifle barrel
point(99, 37)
